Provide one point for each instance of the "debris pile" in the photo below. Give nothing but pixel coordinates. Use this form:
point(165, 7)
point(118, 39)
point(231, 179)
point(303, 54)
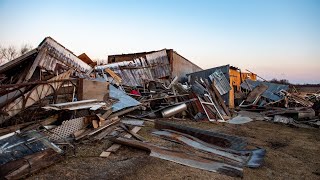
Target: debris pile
point(51, 100)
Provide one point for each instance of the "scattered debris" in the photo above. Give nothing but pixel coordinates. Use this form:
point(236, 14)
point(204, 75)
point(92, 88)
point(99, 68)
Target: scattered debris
point(52, 100)
point(239, 120)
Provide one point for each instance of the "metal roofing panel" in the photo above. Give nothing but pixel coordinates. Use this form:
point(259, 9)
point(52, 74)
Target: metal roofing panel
point(205, 75)
point(61, 54)
point(220, 82)
point(271, 93)
point(133, 73)
point(124, 100)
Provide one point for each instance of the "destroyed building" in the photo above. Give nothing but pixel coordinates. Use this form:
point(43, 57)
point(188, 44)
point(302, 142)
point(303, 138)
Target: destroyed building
point(51, 101)
point(179, 65)
point(228, 80)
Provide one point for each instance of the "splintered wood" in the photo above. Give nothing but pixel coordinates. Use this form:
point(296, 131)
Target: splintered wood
point(115, 147)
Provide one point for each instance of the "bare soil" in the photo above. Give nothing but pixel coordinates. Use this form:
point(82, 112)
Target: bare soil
point(292, 153)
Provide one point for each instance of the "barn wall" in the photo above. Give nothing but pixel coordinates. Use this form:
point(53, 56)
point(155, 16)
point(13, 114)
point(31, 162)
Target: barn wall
point(182, 66)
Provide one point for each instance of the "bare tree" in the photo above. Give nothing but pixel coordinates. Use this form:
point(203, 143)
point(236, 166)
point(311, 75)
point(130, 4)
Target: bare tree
point(9, 53)
point(280, 81)
point(25, 48)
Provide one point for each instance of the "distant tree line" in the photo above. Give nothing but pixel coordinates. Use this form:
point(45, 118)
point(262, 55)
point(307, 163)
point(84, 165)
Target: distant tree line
point(11, 52)
point(280, 81)
point(285, 81)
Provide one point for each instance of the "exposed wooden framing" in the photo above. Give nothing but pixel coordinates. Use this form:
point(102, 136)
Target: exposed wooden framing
point(223, 105)
point(33, 96)
point(35, 64)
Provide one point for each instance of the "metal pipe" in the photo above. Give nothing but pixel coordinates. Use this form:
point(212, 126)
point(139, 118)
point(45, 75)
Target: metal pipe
point(173, 110)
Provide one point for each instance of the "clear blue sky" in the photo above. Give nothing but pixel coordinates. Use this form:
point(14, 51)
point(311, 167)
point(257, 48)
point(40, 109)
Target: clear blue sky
point(274, 38)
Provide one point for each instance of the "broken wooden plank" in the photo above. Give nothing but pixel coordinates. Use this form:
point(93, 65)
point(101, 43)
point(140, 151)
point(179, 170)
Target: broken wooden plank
point(104, 133)
point(221, 101)
point(78, 133)
point(43, 122)
point(125, 111)
point(105, 154)
point(145, 119)
point(14, 128)
point(255, 94)
point(108, 123)
point(137, 136)
point(107, 114)
point(113, 75)
point(95, 124)
point(81, 134)
point(116, 147)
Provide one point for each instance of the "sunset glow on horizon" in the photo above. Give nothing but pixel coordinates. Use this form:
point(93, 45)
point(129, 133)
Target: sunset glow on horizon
point(275, 39)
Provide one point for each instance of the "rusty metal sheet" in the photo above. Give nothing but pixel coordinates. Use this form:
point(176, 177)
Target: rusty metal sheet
point(184, 158)
point(250, 158)
point(160, 63)
point(211, 137)
point(198, 144)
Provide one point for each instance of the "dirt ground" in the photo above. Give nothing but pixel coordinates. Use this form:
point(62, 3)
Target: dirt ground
point(292, 153)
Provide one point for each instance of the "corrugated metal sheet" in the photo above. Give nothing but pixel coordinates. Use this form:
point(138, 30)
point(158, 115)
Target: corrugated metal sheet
point(124, 100)
point(133, 73)
point(57, 54)
point(159, 63)
point(271, 93)
point(16, 146)
point(220, 82)
point(206, 73)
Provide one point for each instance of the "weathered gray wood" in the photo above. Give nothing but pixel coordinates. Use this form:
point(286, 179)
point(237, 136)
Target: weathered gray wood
point(116, 147)
point(89, 89)
point(216, 92)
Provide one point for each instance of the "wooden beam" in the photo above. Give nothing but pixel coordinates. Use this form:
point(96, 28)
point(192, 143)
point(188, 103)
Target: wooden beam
point(115, 147)
point(216, 92)
point(113, 75)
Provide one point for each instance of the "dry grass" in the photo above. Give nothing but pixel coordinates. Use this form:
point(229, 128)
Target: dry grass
point(292, 153)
